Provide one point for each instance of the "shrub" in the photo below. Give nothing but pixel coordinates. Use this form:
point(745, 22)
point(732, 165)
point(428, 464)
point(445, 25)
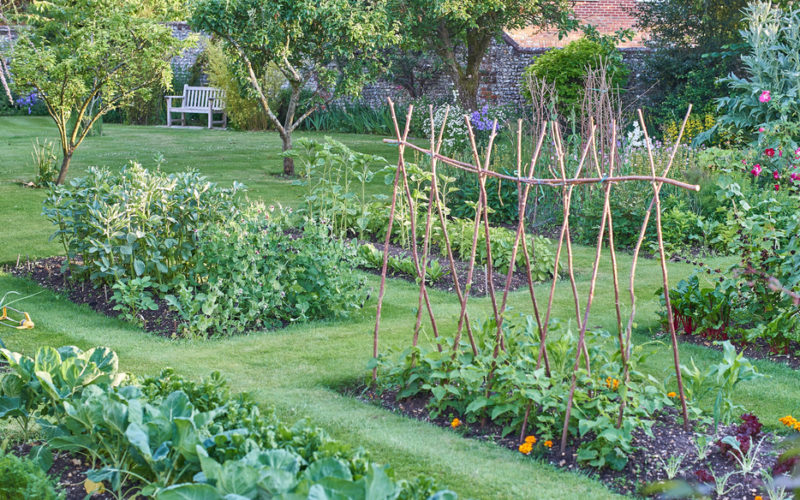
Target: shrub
point(244, 110)
point(250, 273)
point(44, 162)
point(767, 98)
point(23, 479)
point(567, 67)
point(135, 223)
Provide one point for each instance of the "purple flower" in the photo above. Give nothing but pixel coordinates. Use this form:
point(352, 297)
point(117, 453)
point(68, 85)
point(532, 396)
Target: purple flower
point(481, 119)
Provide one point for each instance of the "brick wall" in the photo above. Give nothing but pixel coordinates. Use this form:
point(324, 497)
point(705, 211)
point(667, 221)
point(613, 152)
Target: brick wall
point(607, 15)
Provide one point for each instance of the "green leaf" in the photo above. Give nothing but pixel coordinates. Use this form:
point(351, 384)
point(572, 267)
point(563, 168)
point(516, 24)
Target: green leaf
point(189, 492)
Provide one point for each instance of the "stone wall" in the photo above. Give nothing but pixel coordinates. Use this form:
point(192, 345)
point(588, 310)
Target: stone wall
point(501, 77)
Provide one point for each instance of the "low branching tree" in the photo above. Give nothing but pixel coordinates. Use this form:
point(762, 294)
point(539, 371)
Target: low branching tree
point(460, 33)
point(85, 58)
point(336, 45)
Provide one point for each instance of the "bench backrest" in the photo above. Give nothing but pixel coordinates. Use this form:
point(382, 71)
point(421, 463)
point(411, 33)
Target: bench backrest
point(197, 97)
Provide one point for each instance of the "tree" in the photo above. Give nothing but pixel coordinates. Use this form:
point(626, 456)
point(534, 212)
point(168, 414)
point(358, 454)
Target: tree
point(446, 27)
point(336, 45)
point(85, 58)
point(694, 42)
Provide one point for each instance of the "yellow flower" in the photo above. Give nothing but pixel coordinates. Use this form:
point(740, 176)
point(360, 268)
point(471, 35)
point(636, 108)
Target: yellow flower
point(455, 423)
point(548, 443)
point(758, 497)
point(671, 394)
point(526, 448)
point(530, 439)
point(612, 383)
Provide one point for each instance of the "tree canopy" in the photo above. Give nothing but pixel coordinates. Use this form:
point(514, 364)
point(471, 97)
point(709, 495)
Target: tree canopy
point(335, 45)
point(84, 58)
point(444, 26)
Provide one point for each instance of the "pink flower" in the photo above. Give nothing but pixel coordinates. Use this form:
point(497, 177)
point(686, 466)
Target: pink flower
point(769, 152)
point(756, 170)
point(765, 97)
point(776, 175)
point(780, 153)
point(794, 176)
point(761, 129)
point(777, 187)
point(744, 162)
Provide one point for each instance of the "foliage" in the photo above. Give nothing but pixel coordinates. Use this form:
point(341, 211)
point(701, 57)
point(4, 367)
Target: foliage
point(352, 118)
point(567, 69)
point(719, 381)
point(766, 98)
point(25, 479)
point(504, 388)
point(441, 26)
point(373, 258)
point(747, 301)
point(169, 437)
point(34, 387)
point(296, 37)
point(44, 162)
point(73, 52)
point(693, 43)
point(250, 274)
point(136, 222)
point(335, 179)
point(244, 111)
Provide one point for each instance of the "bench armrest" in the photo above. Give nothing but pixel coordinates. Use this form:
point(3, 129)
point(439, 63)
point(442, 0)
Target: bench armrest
point(173, 96)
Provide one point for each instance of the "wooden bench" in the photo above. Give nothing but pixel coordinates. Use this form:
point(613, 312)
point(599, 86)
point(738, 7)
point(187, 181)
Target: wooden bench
point(202, 100)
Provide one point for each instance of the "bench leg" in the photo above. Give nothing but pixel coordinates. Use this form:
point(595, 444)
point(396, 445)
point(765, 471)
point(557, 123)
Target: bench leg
point(183, 119)
point(169, 117)
point(210, 119)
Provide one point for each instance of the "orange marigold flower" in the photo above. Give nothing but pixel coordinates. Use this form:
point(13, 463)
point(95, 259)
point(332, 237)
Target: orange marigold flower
point(758, 497)
point(455, 423)
point(526, 448)
point(548, 443)
point(530, 439)
point(671, 394)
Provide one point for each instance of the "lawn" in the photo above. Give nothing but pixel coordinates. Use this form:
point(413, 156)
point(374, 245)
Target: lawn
point(299, 369)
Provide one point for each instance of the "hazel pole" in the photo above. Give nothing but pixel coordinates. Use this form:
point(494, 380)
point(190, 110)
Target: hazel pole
point(382, 288)
point(564, 225)
point(414, 254)
point(665, 276)
point(589, 300)
point(638, 247)
point(428, 220)
point(568, 237)
point(520, 234)
point(499, 341)
point(475, 229)
point(449, 248)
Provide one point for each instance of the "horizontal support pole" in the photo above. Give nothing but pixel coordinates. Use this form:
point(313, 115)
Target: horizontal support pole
point(545, 182)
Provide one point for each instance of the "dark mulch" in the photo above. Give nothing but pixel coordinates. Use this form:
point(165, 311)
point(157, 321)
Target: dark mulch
point(645, 466)
point(446, 283)
point(47, 273)
point(759, 349)
point(69, 470)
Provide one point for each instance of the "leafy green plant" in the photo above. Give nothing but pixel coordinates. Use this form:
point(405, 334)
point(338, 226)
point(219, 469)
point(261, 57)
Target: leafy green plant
point(567, 68)
point(252, 274)
point(25, 479)
point(719, 381)
point(507, 388)
point(133, 295)
point(44, 163)
point(169, 437)
point(36, 386)
point(135, 223)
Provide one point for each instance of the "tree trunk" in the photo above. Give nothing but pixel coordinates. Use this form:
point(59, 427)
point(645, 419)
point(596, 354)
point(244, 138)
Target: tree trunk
point(468, 90)
point(288, 163)
point(62, 175)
